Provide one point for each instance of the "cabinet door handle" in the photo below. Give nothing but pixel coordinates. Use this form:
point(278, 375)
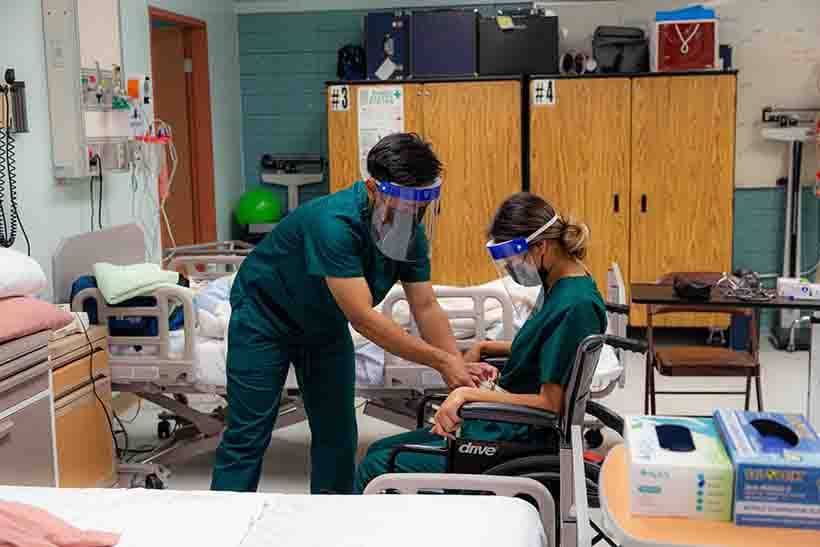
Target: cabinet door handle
point(419, 93)
point(616, 203)
point(427, 93)
point(5, 429)
point(643, 203)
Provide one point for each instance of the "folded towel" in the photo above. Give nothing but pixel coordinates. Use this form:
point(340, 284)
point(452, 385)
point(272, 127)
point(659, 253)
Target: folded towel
point(119, 283)
point(23, 525)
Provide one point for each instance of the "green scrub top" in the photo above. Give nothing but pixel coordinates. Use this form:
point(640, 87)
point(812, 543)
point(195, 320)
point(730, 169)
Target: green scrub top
point(326, 237)
point(543, 351)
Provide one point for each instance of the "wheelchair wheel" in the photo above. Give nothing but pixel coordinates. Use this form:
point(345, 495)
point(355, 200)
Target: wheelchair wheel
point(547, 470)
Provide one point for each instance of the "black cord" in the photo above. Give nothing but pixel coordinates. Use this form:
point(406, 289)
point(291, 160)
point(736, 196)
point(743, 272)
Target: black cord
point(94, 388)
point(8, 171)
point(96, 160)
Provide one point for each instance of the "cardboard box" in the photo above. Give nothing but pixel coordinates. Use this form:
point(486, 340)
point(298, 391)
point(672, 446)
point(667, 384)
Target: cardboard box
point(777, 464)
point(678, 468)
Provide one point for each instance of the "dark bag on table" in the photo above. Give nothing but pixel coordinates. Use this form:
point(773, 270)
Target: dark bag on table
point(621, 50)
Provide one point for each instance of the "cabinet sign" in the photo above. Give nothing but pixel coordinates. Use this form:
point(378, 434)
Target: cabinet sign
point(339, 98)
point(543, 92)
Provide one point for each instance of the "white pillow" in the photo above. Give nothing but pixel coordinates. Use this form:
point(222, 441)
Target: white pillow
point(20, 275)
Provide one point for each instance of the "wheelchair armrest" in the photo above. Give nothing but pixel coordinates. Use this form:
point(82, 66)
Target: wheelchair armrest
point(628, 344)
point(497, 362)
point(618, 309)
point(421, 413)
point(511, 414)
point(415, 449)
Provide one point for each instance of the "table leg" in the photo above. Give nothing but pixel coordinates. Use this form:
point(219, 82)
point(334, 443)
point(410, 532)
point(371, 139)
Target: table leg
point(813, 394)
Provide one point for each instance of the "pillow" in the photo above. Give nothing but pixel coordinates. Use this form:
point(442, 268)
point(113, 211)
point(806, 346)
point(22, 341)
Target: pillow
point(20, 275)
point(22, 316)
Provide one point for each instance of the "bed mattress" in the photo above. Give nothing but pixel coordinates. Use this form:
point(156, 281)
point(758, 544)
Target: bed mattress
point(166, 518)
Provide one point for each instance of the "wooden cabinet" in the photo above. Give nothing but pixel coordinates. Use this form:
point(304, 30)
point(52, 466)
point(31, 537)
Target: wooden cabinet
point(579, 162)
point(475, 129)
point(683, 146)
point(82, 407)
point(648, 163)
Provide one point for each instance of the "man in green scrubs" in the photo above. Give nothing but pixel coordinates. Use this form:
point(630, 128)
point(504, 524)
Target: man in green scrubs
point(324, 266)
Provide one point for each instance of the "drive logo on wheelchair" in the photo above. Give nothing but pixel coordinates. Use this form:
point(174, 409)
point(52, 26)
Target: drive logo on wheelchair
point(472, 456)
point(477, 449)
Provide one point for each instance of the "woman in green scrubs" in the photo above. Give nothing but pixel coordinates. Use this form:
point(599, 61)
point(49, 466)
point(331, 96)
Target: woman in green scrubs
point(324, 266)
point(531, 245)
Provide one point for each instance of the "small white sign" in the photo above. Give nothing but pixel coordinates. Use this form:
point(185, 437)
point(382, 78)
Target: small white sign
point(381, 113)
point(339, 98)
point(544, 93)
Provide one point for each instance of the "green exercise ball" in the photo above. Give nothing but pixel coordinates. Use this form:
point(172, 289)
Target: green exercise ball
point(259, 206)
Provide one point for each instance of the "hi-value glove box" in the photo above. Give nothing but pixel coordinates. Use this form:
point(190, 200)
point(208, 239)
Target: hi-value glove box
point(777, 465)
point(678, 468)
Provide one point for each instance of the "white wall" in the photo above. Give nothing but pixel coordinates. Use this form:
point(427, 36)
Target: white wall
point(50, 211)
point(777, 50)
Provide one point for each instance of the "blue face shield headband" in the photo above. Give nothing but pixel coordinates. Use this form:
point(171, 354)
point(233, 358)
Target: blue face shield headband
point(404, 220)
point(510, 257)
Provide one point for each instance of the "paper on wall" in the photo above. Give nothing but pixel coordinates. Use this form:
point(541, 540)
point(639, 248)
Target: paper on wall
point(381, 113)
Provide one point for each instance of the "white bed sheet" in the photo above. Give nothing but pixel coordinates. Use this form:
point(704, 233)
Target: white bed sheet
point(148, 518)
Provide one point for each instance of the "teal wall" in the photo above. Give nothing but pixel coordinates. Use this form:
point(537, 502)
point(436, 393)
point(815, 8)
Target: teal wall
point(287, 57)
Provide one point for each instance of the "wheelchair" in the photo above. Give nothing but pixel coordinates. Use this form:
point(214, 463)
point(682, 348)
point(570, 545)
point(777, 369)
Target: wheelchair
point(542, 462)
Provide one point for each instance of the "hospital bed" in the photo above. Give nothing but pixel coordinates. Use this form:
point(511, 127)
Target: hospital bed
point(172, 365)
point(154, 518)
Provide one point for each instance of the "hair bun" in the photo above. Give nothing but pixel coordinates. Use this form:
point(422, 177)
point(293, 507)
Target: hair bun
point(575, 238)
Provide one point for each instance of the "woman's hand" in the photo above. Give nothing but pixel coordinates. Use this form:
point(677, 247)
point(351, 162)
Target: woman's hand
point(446, 421)
point(481, 372)
point(473, 355)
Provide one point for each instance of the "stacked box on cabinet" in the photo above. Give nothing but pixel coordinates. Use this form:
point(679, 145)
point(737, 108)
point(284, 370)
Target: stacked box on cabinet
point(529, 46)
point(685, 39)
point(387, 42)
point(444, 43)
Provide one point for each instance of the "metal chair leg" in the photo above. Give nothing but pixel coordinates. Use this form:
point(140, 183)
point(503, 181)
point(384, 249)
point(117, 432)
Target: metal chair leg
point(748, 393)
point(759, 393)
point(646, 389)
point(652, 397)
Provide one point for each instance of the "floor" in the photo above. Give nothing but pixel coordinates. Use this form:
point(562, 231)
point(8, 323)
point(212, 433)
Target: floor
point(287, 462)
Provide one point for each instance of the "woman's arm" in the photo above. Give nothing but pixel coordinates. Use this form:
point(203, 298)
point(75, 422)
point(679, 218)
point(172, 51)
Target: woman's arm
point(488, 348)
point(447, 419)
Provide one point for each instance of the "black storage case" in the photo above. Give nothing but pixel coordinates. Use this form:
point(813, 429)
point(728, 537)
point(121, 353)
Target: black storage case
point(443, 43)
point(529, 48)
point(379, 28)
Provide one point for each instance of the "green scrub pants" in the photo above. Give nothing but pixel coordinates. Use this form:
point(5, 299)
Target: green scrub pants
point(257, 369)
point(378, 456)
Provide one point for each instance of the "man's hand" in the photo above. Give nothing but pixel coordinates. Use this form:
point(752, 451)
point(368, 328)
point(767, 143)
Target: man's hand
point(456, 373)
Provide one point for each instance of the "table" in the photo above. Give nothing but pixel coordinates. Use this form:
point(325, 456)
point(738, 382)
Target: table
point(651, 293)
point(637, 531)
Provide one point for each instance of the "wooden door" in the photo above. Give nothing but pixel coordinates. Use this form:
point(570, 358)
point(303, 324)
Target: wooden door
point(171, 106)
point(343, 131)
point(579, 162)
point(683, 151)
point(475, 129)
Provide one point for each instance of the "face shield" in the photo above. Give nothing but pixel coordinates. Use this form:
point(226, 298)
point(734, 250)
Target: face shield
point(404, 220)
point(519, 274)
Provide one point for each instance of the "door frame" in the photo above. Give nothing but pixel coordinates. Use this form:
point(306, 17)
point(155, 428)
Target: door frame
point(200, 128)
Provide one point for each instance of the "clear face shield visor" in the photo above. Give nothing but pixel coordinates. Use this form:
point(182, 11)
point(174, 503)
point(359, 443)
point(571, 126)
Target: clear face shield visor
point(404, 220)
point(521, 277)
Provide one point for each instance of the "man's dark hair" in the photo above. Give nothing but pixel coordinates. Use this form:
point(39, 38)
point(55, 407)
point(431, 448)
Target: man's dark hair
point(403, 158)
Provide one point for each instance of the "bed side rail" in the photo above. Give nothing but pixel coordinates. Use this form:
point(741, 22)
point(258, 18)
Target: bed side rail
point(166, 298)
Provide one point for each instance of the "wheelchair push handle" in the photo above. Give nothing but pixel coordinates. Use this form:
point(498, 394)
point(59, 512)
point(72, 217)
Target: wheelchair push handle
point(627, 344)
